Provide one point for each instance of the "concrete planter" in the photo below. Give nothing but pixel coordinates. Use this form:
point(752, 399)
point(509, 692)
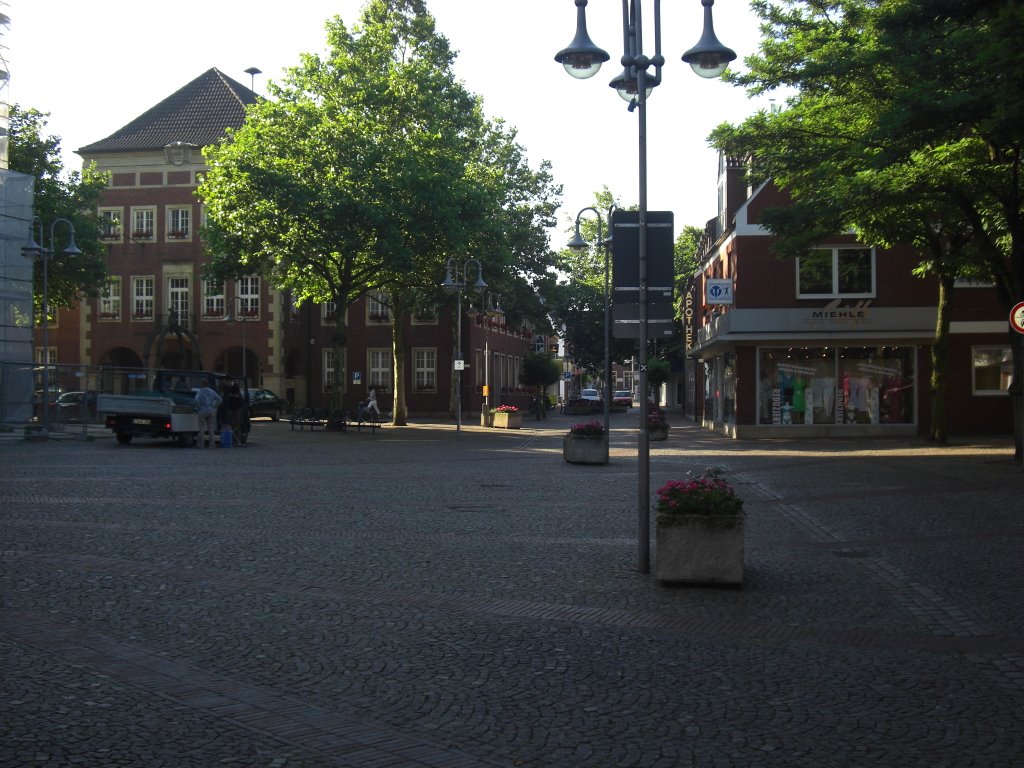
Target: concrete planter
point(699, 549)
point(505, 420)
point(657, 433)
point(580, 449)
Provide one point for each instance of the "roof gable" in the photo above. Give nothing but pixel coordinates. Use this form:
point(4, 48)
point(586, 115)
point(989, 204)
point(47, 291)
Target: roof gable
point(196, 114)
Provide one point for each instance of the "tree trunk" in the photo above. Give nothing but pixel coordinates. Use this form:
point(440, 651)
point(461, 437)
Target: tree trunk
point(339, 341)
point(940, 362)
point(399, 411)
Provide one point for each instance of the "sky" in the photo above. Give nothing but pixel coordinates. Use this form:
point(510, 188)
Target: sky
point(95, 66)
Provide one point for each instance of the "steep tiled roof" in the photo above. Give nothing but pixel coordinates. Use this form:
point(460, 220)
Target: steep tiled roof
point(196, 114)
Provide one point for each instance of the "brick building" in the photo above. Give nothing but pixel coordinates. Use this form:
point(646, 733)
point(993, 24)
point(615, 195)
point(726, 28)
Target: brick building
point(159, 311)
point(836, 342)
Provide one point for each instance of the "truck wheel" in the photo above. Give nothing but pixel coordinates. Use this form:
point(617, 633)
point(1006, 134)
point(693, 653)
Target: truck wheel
point(184, 439)
point(124, 438)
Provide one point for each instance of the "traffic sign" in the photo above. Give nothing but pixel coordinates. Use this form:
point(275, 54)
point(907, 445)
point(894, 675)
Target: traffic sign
point(1017, 317)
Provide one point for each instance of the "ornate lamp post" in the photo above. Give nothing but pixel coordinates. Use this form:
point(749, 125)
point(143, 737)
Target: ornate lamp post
point(241, 317)
point(455, 280)
point(35, 250)
point(579, 244)
point(582, 59)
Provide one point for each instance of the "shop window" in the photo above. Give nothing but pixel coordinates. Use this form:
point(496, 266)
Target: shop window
point(845, 385)
point(836, 273)
point(991, 370)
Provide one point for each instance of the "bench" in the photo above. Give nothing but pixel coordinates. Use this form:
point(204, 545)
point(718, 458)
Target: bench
point(372, 421)
point(309, 417)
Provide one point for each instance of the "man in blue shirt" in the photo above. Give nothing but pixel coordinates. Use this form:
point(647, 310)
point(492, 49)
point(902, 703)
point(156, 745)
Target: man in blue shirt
point(207, 401)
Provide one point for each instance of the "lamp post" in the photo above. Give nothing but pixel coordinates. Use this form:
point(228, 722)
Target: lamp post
point(241, 317)
point(582, 59)
point(455, 280)
point(35, 250)
point(579, 244)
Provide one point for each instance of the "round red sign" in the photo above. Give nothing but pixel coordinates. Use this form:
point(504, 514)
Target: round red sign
point(1017, 317)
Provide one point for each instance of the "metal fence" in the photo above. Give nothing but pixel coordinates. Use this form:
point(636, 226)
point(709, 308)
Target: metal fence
point(71, 400)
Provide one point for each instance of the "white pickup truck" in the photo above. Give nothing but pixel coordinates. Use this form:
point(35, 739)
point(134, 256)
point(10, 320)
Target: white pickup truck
point(166, 410)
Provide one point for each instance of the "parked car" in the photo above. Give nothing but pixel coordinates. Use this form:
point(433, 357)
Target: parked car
point(263, 402)
point(75, 405)
point(51, 400)
point(590, 394)
point(622, 397)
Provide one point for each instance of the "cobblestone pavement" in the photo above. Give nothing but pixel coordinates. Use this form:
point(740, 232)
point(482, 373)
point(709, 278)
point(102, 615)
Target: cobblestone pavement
point(410, 598)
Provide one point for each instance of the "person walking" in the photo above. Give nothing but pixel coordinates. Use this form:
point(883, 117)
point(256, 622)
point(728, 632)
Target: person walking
point(207, 401)
point(233, 402)
point(371, 403)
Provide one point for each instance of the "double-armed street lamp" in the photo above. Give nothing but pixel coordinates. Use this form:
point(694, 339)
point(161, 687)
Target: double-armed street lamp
point(582, 59)
point(579, 244)
point(35, 250)
point(455, 280)
point(241, 317)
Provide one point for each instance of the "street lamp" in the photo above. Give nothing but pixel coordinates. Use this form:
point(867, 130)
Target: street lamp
point(35, 250)
point(579, 244)
point(455, 280)
point(241, 316)
point(708, 58)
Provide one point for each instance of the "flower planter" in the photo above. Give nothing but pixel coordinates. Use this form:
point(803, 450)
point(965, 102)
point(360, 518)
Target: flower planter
point(583, 449)
point(657, 433)
point(506, 420)
point(699, 549)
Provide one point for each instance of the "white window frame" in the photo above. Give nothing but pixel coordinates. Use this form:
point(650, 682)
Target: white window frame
point(108, 306)
point(1007, 356)
point(333, 374)
point(424, 362)
point(835, 293)
point(214, 299)
point(426, 316)
point(110, 219)
point(327, 311)
point(248, 290)
point(143, 300)
point(178, 218)
point(378, 367)
point(143, 222)
point(377, 311)
point(179, 299)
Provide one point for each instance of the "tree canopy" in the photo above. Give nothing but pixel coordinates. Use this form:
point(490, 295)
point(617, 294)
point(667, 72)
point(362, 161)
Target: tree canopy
point(906, 126)
point(368, 168)
point(60, 195)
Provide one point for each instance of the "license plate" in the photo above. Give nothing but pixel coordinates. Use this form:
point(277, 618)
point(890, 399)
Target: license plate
point(144, 422)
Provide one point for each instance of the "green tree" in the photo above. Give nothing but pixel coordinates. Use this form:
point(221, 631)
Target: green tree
point(59, 195)
point(576, 299)
point(540, 371)
point(367, 169)
point(902, 138)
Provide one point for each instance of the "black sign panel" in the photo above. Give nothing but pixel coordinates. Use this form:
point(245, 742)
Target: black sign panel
point(626, 254)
